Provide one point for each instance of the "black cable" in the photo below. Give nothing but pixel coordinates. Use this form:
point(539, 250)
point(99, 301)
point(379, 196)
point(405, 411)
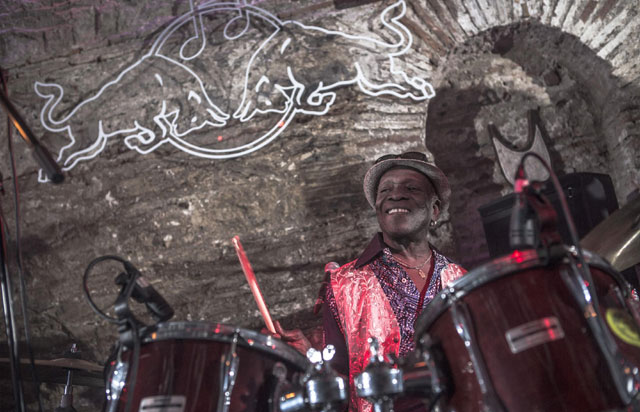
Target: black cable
point(23, 286)
point(85, 287)
point(132, 322)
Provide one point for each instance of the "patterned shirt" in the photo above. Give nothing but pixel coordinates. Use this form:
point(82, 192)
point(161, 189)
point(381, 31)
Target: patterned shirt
point(406, 301)
point(403, 295)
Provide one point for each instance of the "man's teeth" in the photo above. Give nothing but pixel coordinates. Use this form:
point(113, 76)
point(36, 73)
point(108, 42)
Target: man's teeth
point(397, 210)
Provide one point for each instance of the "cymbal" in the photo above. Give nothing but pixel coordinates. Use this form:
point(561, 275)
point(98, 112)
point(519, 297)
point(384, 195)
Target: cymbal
point(617, 238)
point(55, 371)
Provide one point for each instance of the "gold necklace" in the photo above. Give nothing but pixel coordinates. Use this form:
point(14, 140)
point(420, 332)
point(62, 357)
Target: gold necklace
point(419, 267)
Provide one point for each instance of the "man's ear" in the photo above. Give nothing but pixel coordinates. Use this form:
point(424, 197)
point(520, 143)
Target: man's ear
point(435, 209)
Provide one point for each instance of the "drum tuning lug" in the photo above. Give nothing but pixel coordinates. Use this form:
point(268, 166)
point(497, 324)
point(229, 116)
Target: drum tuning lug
point(328, 353)
point(314, 356)
point(228, 373)
point(573, 250)
point(116, 381)
point(393, 358)
point(374, 350)
point(320, 389)
point(380, 381)
point(426, 341)
point(279, 371)
point(280, 384)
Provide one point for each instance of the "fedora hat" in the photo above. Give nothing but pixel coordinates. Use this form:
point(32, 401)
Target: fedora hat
point(412, 160)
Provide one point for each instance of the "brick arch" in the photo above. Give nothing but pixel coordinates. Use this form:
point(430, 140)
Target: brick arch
point(604, 26)
point(606, 31)
point(546, 55)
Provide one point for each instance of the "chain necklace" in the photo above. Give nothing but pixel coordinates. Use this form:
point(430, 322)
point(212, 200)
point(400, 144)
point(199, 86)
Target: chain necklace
point(418, 268)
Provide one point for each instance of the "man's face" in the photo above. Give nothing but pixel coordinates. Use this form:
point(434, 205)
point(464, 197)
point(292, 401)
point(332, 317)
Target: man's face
point(405, 203)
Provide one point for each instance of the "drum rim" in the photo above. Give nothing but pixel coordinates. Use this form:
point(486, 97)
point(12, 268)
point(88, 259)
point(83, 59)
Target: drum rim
point(220, 332)
point(495, 269)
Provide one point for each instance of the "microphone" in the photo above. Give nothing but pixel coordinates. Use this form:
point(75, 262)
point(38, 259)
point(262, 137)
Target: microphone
point(143, 292)
point(331, 266)
point(522, 234)
point(328, 268)
point(40, 153)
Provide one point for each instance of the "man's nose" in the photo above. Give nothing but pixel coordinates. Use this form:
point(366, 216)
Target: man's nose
point(398, 193)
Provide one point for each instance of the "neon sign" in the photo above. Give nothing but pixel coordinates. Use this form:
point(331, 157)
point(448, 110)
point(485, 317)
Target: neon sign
point(175, 102)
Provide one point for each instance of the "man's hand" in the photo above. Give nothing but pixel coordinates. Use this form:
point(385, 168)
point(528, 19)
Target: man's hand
point(294, 338)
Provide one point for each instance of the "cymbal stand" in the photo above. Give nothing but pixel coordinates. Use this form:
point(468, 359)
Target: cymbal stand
point(66, 402)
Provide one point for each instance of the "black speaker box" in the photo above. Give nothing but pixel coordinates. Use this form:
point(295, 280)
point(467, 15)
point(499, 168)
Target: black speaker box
point(590, 197)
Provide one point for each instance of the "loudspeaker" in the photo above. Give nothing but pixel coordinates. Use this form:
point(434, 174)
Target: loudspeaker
point(590, 197)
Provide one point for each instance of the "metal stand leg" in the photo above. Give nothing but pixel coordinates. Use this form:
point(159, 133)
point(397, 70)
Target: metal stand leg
point(66, 403)
point(9, 321)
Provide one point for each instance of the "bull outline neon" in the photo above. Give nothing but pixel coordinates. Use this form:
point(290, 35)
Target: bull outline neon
point(144, 140)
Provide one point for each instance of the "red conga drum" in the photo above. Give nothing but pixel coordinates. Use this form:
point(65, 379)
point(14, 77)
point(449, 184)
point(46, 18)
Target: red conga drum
point(202, 367)
point(520, 334)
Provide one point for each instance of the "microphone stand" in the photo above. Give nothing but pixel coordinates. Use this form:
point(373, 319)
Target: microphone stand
point(40, 153)
point(9, 318)
point(53, 172)
point(534, 221)
point(549, 241)
point(129, 327)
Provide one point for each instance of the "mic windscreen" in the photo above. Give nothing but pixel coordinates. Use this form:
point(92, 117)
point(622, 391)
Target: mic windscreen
point(331, 266)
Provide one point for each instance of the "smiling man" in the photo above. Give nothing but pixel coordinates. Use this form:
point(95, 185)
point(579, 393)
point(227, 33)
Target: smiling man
point(381, 293)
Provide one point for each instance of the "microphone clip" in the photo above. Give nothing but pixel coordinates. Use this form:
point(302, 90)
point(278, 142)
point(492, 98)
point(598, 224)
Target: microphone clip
point(534, 221)
point(126, 319)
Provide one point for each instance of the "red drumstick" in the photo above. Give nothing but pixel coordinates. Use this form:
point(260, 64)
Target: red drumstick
point(253, 284)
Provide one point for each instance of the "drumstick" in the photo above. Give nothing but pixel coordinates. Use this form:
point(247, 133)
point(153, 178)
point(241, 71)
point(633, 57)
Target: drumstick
point(253, 284)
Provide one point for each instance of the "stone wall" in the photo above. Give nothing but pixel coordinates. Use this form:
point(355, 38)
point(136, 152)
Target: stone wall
point(296, 203)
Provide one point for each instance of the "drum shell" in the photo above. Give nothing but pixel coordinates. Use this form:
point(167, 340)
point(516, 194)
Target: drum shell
point(185, 361)
point(567, 374)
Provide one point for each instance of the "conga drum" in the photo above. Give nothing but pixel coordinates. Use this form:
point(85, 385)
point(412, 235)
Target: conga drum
point(201, 367)
point(521, 334)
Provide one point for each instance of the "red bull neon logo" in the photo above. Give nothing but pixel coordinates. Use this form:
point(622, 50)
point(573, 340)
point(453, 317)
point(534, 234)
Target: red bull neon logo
point(179, 100)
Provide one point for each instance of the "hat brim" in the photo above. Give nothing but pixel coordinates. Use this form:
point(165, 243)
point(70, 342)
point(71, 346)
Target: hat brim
point(435, 175)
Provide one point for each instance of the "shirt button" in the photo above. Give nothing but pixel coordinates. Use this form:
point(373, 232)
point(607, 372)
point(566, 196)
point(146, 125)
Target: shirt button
point(396, 340)
point(404, 280)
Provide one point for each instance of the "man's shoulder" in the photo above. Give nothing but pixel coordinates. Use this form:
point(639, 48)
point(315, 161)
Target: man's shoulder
point(446, 261)
point(350, 271)
point(455, 268)
point(450, 273)
point(346, 269)
point(449, 270)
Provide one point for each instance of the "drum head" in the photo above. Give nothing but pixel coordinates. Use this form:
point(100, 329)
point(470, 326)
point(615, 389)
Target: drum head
point(219, 332)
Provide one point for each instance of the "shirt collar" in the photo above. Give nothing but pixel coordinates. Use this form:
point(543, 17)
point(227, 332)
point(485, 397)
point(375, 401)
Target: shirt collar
point(375, 247)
